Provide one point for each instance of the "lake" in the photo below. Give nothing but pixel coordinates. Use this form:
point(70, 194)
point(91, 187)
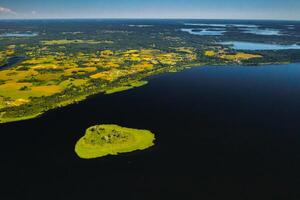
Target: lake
point(209, 32)
point(221, 132)
point(222, 25)
point(18, 35)
point(266, 31)
point(259, 46)
point(11, 62)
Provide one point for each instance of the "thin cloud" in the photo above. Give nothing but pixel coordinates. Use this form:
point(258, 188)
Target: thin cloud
point(4, 10)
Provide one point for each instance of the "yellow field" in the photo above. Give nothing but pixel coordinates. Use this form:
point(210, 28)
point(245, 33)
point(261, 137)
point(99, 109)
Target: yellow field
point(145, 59)
point(209, 53)
point(4, 103)
point(75, 82)
point(232, 57)
point(239, 56)
point(79, 70)
point(40, 60)
point(51, 74)
point(110, 75)
point(16, 75)
point(13, 90)
point(142, 67)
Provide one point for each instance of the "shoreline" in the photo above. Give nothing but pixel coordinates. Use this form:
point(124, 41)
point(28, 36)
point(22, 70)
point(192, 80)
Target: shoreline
point(124, 87)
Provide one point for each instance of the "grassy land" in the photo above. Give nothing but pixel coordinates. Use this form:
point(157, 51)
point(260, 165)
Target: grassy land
point(44, 82)
point(64, 65)
point(49, 80)
point(128, 86)
point(238, 56)
point(103, 140)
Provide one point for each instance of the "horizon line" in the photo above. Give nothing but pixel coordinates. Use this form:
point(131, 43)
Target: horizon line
point(146, 18)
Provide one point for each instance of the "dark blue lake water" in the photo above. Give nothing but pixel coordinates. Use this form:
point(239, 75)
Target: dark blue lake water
point(18, 34)
point(11, 62)
point(221, 133)
point(259, 46)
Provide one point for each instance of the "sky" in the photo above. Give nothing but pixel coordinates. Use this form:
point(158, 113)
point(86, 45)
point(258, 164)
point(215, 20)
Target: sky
point(198, 9)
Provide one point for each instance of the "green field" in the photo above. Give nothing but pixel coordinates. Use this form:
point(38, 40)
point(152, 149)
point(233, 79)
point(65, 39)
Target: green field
point(103, 140)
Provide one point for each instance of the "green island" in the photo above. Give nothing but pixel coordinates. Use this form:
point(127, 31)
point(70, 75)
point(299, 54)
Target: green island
point(110, 139)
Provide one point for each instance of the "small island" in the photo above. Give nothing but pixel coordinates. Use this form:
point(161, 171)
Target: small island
point(110, 139)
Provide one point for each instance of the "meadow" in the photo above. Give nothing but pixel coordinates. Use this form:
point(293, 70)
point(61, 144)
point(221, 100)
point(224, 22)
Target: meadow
point(110, 139)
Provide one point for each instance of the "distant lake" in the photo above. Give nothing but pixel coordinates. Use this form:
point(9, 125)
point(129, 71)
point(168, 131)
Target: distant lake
point(257, 31)
point(208, 32)
point(221, 131)
point(222, 25)
point(258, 46)
point(11, 62)
point(18, 34)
